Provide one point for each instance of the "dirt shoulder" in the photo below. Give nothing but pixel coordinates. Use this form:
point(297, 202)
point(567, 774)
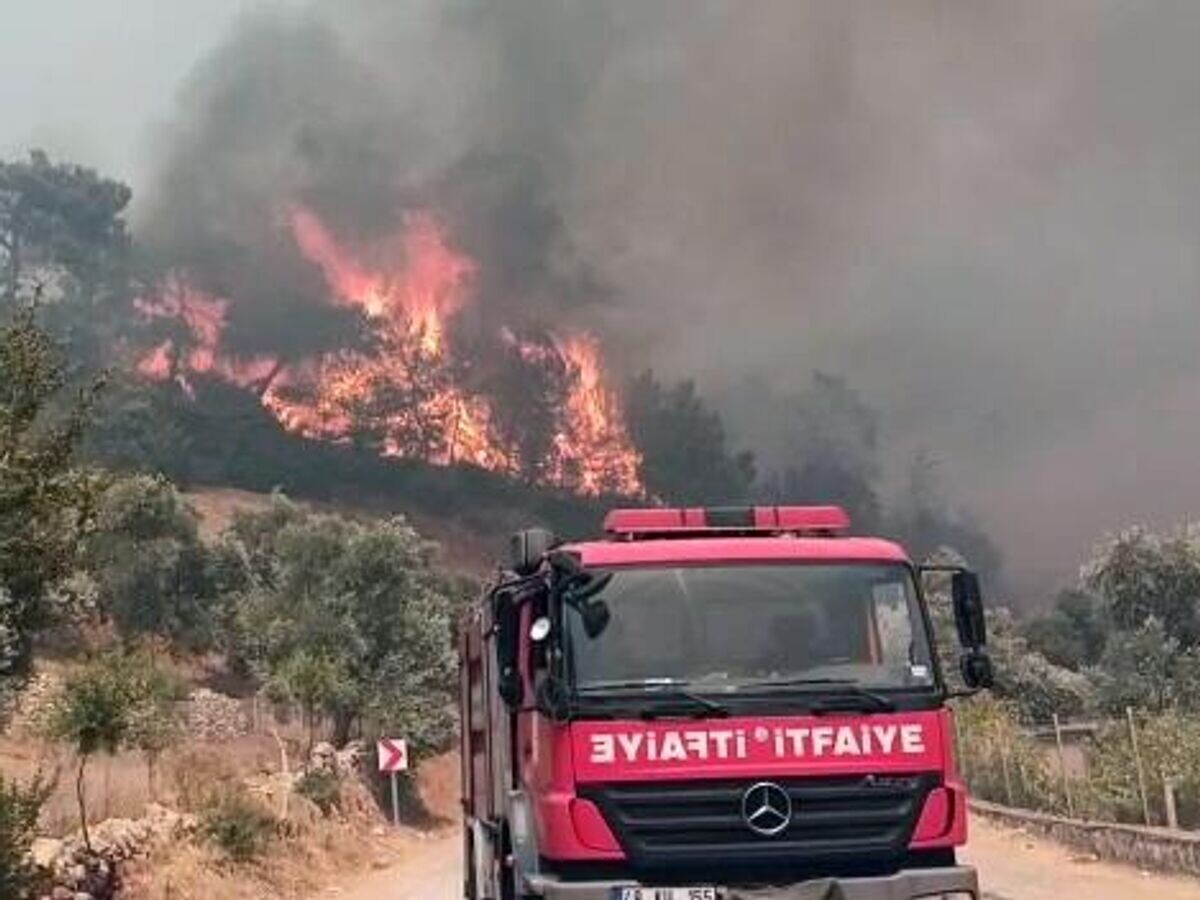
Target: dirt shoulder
point(1016, 866)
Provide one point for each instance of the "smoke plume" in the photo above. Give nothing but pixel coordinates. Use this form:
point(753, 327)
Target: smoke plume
point(984, 216)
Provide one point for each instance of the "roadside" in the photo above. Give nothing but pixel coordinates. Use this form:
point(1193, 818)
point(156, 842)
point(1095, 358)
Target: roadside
point(1013, 865)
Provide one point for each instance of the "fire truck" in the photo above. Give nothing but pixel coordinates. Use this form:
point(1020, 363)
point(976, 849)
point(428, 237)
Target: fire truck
point(714, 703)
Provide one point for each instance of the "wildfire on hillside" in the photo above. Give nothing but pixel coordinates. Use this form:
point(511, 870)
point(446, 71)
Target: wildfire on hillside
point(409, 392)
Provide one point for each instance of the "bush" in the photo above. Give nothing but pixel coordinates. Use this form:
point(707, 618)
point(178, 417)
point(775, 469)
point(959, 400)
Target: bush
point(993, 741)
point(324, 789)
point(20, 806)
point(1167, 744)
point(239, 826)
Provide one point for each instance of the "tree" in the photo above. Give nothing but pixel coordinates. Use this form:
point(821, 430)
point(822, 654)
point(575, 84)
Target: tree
point(529, 387)
point(1137, 669)
point(20, 806)
point(150, 564)
point(922, 519)
point(91, 715)
point(349, 617)
point(118, 700)
point(46, 501)
point(835, 442)
point(153, 720)
point(1073, 634)
point(63, 224)
point(317, 681)
point(685, 455)
point(1142, 575)
point(1031, 686)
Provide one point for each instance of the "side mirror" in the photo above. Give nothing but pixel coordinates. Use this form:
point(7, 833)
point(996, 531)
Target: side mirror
point(969, 618)
point(976, 669)
point(528, 548)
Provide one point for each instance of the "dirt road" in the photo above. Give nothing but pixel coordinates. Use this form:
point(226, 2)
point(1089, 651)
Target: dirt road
point(1013, 867)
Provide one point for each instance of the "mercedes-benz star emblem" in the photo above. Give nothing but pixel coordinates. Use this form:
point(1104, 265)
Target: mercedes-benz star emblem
point(767, 808)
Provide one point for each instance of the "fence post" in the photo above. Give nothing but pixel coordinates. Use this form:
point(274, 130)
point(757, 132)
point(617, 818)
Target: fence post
point(1062, 767)
point(1137, 761)
point(1169, 784)
point(1008, 793)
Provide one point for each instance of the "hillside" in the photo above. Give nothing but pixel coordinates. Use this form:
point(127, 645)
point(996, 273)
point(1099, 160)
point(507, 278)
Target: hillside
point(469, 544)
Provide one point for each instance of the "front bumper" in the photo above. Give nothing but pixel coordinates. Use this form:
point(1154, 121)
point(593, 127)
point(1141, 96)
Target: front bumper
point(908, 884)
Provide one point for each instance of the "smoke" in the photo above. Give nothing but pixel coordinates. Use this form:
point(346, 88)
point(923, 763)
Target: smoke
point(983, 216)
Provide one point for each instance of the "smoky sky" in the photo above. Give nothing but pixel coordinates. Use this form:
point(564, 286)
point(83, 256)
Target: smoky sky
point(984, 215)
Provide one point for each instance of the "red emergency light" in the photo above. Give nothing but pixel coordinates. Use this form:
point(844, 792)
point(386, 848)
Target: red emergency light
point(820, 520)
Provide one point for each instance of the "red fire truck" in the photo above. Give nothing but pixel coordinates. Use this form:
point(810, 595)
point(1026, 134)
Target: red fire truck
point(713, 703)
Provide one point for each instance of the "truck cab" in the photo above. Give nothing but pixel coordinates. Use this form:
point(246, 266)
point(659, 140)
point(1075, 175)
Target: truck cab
point(713, 703)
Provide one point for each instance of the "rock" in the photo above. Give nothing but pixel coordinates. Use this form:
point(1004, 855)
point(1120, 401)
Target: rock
point(45, 852)
point(324, 759)
point(352, 758)
point(215, 717)
point(62, 893)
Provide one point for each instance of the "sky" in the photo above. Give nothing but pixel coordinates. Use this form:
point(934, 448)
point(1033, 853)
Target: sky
point(91, 78)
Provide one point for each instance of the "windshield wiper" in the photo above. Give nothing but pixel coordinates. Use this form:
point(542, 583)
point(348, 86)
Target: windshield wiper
point(846, 696)
point(667, 690)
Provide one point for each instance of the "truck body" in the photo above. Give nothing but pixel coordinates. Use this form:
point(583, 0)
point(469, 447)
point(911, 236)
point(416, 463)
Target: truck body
point(712, 703)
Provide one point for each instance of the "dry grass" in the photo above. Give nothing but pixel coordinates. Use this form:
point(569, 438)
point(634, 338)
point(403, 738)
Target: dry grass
point(217, 507)
point(119, 786)
point(296, 867)
point(316, 853)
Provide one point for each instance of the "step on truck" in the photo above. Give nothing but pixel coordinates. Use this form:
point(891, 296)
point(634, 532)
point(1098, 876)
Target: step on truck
point(713, 703)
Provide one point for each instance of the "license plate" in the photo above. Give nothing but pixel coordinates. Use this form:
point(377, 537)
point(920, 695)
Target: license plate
point(664, 893)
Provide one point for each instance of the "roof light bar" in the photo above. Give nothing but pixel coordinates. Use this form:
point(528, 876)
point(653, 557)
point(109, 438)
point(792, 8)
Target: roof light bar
point(742, 520)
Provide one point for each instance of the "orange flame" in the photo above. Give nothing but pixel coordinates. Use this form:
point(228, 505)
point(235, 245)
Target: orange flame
point(403, 397)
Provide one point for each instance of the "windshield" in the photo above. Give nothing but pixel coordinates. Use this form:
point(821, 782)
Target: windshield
point(727, 626)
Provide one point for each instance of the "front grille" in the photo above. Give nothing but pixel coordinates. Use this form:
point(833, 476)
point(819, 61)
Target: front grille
point(834, 821)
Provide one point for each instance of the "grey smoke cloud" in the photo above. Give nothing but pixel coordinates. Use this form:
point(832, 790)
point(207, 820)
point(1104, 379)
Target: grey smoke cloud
point(984, 215)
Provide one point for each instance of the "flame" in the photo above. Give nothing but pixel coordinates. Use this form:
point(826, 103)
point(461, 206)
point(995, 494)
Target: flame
point(422, 300)
point(594, 440)
point(404, 397)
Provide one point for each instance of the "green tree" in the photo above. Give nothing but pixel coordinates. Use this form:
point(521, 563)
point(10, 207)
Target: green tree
point(360, 605)
point(317, 681)
point(151, 566)
point(46, 500)
point(64, 225)
point(1073, 634)
point(1142, 574)
point(91, 716)
point(20, 806)
point(685, 452)
point(118, 700)
point(154, 722)
point(1138, 669)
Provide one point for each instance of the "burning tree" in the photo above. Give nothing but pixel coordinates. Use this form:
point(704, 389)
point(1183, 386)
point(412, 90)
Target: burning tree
point(537, 407)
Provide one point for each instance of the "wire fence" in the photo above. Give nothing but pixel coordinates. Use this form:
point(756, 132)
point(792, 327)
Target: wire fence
point(1138, 769)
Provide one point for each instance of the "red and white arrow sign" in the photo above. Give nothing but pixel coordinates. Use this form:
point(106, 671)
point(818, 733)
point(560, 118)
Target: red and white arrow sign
point(393, 755)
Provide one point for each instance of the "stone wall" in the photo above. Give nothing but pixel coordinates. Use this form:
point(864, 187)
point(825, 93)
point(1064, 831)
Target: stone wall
point(1161, 849)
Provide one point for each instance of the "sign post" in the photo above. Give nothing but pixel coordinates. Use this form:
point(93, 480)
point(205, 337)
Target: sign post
point(393, 759)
